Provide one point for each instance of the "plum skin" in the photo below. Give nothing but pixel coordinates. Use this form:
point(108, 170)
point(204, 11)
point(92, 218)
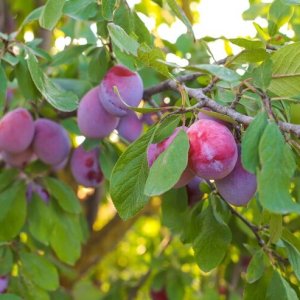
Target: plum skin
point(213, 150)
point(154, 150)
point(16, 130)
point(93, 120)
point(18, 160)
point(194, 193)
point(239, 187)
point(85, 167)
point(3, 284)
point(130, 87)
point(130, 127)
point(51, 142)
point(159, 295)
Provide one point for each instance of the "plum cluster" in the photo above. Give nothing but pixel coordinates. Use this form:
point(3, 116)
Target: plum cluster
point(22, 139)
point(213, 155)
point(101, 110)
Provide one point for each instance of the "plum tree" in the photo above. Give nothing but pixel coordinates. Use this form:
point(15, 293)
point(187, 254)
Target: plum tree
point(16, 130)
point(18, 160)
point(51, 142)
point(194, 192)
point(154, 150)
point(93, 120)
point(85, 167)
point(3, 284)
point(239, 186)
point(213, 150)
point(130, 127)
point(129, 85)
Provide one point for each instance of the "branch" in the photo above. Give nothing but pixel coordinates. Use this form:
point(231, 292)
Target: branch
point(204, 100)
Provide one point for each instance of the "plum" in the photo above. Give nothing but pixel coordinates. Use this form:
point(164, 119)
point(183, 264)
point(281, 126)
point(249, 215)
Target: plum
point(203, 116)
point(130, 87)
point(16, 131)
point(193, 190)
point(159, 295)
point(149, 118)
point(18, 160)
point(93, 120)
point(34, 187)
point(3, 284)
point(51, 142)
point(130, 127)
point(85, 167)
point(213, 150)
point(154, 150)
point(239, 186)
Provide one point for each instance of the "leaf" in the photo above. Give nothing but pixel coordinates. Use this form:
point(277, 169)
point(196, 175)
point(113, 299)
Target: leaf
point(51, 13)
point(108, 158)
point(219, 71)
point(279, 14)
point(294, 257)
point(128, 195)
point(108, 7)
point(169, 166)
point(10, 59)
point(3, 87)
point(250, 56)
point(81, 9)
point(64, 195)
point(7, 177)
point(99, 65)
point(178, 12)
point(212, 241)
point(286, 71)
point(292, 2)
point(279, 288)
point(144, 36)
point(122, 40)
point(9, 297)
point(250, 140)
point(273, 187)
point(33, 16)
point(275, 228)
point(175, 285)
point(153, 58)
point(13, 220)
point(6, 260)
point(69, 54)
point(40, 219)
point(166, 128)
point(174, 206)
point(262, 75)
point(60, 99)
point(247, 44)
point(258, 289)
point(256, 267)
point(40, 271)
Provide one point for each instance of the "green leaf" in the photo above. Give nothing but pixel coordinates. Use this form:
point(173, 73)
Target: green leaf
point(153, 58)
point(64, 195)
point(178, 12)
point(108, 7)
point(285, 73)
point(258, 289)
point(3, 87)
point(66, 236)
point(6, 260)
point(40, 271)
point(279, 14)
point(219, 71)
point(122, 40)
point(6, 178)
point(40, 219)
point(250, 140)
point(12, 222)
point(256, 267)
point(166, 128)
point(247, 44)
point(279, 288)
point(60, 99)
point(174, 206)
point(99, 65)
point(25, 82)
point(175, 285)
point(9, 297)
point(69, 54)
point(262, 75)
point(128, 195)
point(51, 13)
point(292, 2)
point(169, 166)
point(250, 56)
point(33, 16)
point(294, 257)
point(213, 240)
point(144, 36)
point(273, 187)
point(81, 10)
point(108, 158)
point(275, 228)
point(11, 59)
